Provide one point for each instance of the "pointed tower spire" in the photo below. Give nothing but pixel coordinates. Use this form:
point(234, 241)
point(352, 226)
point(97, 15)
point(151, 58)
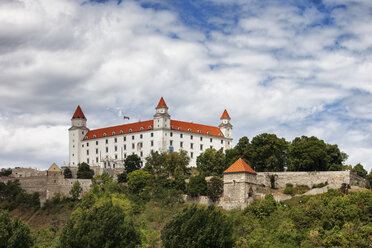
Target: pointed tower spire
point(78, 113)
point(162, 104)
point(225, 115)
point(240, 166)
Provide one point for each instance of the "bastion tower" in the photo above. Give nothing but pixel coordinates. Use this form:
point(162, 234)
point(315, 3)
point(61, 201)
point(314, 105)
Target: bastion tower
point(226, 128)
point(77, 132)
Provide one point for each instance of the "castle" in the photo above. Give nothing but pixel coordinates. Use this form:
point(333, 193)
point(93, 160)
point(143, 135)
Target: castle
point(108, 147)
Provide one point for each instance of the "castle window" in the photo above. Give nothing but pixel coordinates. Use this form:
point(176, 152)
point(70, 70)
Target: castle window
point(189, 129)
point(150, 127)
point(141, 136)
point(171, 134)
point(171, 142)
point(211, 139)
point(96, 159)
point(113, 133)
point(191, 145)
point(132, 145)
point(191, 136)
point(152, 143)
point(116, 140)
point(106, 149)
point(211, 147)
point(201, 138)
point(201, 147)
point(130, 130)
point(125, 155)
point(113, 166)
point(125, 147)
point(106, 141)
point(152, 135)
point(141, 154)
point(87, 152)
point(96, 142)
point(132, 137)
point(94, 136)
point(116, 148)
point(82, 145)
point(87, 160)
point(219, 134)
point(228, 143)
point(179, 128)
point(96, 151)
point(171, 126)
point(181, 135)
point(104, 134)
point(221, 141)
point(121, 131)
point(141, 128)
point(82, 133)
point(181, 144)
point(87, 144)
point(199, 131)
point(116, 157)
point(125, 138)
point(191, 154)
point(208, 132)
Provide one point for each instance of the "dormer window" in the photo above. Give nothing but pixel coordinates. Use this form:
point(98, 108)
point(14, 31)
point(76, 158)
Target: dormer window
point(171, 126)
point(113, 133)
point(150, 127)
point(142, 128)
point(130, 130)
point(121, 131)
point(104, 134)
point(219, 134)
point(179, 128)
point(94, 136)
point(199, 131)
point(189, 129)
point(208, 132)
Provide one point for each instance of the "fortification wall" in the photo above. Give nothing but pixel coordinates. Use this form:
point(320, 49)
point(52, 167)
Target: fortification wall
point(26, 172)
point(64, 186)
point(31, 184)
point(334, 178)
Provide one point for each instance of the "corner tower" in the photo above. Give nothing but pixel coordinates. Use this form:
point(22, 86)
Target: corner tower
point(77, 132)
point(225, 126)
point(161, 117)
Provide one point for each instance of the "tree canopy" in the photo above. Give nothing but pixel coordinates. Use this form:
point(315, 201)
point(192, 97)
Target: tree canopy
point(14, 233)
point(132, 162)
point(84, 171)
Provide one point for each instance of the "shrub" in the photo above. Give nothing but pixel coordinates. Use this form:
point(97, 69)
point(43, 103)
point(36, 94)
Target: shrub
point(214, 188)
point(320, 185)
point(198, 227)
point(197, 186)
point(84, 171)
point(288, 189)
point(13, 232)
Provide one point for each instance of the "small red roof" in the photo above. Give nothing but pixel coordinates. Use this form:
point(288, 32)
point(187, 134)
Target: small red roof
point(162, 104)
point(240, 166)
point(225, 115)
point(78, 113)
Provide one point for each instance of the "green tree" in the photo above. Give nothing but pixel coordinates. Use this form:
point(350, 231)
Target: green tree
point(84, 171)
point(369, 178)
point(122, 177)
point(132, 163)
point(67, 173)
point(269, 152)
point(5, 172)
point(156, 163)
point(76, 190)
point(215, 188)
point(198, 227)
point(242, 150)
point(138, 181)
point(308, 154)
point(359, 170)
point(177, 161)
point(211, 162)
point(197, 186)
point(14, 233)
point(336, 157)
point(103, 226)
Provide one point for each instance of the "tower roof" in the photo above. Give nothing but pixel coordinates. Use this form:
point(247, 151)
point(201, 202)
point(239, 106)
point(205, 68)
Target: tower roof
point(240, 166)
point(162, 104)
point(225, 115)
point(78, 113)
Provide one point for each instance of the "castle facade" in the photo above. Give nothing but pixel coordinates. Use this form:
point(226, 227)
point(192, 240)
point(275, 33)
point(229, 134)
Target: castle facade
point(108, 147)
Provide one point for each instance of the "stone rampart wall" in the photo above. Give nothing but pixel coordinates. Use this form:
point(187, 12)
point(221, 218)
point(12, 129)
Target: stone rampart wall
point(64, 186)
point(334, 178)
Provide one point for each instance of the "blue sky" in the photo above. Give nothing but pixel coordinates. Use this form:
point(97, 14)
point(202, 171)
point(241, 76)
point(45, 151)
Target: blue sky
point(286, 67)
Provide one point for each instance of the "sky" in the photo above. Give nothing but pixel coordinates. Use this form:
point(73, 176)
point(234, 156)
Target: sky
point(288, 67)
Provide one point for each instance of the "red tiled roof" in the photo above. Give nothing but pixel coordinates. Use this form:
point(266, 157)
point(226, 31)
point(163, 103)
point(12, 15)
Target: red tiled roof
point(240, 166)
point(144, 125)
point(225, 115)
point(162, 104)
point(78, 113)
point(196, 128)
point(121, 129)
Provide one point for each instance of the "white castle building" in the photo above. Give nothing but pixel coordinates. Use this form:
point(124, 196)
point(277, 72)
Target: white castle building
point(108, 147)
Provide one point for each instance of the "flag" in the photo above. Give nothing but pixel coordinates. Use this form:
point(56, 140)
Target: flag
point(126, 117)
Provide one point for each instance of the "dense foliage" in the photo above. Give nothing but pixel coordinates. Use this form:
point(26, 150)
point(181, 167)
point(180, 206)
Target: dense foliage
point(103, 226)
point(67, 173)
point(132, 162)
point(170, 163)
point(14, 233)
point(197, 186)
point(5, 172)
point(13, 196)
point(84, 171)
point(215, 188)
point(75, 190)
point(198, 227)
